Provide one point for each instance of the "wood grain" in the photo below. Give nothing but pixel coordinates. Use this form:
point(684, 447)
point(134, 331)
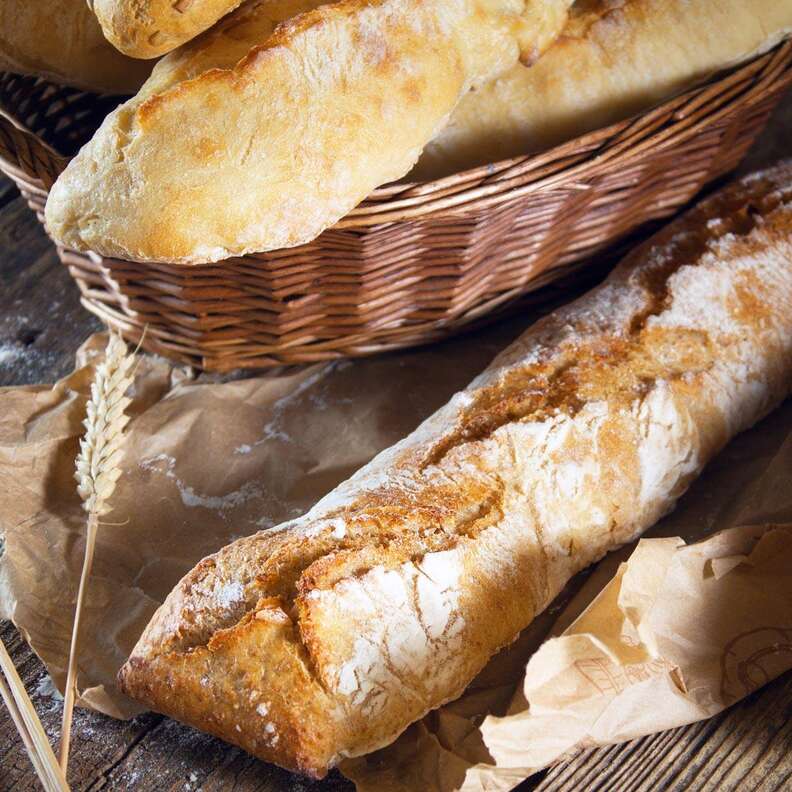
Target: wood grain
point(749, 747)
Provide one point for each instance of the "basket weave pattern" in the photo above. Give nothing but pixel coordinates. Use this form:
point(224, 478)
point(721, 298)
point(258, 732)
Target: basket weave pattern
point(413, 262)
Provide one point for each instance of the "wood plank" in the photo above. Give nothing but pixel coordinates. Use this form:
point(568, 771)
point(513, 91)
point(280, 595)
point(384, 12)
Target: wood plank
point(99, 742)
point(41, 320)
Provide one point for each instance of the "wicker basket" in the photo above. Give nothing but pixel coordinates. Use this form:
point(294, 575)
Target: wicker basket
point(413, 262)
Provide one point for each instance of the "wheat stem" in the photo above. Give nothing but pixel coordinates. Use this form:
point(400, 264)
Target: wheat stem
point(23, 713)
point(97, 470)
point(71, 674)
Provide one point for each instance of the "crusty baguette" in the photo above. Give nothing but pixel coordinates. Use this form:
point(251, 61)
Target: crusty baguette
point(61, 41)
point(149, 28)
point(324, 638)
point(615, 58)
point(247, 140)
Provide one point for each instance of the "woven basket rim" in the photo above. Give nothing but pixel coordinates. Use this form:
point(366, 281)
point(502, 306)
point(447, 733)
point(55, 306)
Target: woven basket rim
point(508, 179)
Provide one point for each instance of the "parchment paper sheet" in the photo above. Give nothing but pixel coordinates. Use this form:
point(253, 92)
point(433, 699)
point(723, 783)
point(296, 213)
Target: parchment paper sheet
point(207, 462)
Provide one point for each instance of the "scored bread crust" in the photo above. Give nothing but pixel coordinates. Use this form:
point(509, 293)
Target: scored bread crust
point(326, 637)
point(61, 41)
point(614, 59)
point(150, 28)
point(252, 137)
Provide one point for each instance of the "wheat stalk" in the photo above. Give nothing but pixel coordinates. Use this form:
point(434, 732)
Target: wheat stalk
point(23, 713)
point(97, 471)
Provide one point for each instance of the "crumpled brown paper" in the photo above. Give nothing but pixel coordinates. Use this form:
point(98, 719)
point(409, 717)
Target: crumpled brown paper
point(207, 462)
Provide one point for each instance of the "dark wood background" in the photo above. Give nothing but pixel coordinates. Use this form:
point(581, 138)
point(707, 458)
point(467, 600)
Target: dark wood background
point(747, 748)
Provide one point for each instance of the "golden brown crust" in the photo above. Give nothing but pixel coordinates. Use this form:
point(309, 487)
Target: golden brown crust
point(150, 28)
point(614, 59)
point(348, 624)
point(62, 42)
point(285, 128)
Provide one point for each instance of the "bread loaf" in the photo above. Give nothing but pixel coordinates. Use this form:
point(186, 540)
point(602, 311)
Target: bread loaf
point(149, 28)
point(615, 58)
point(61, 41)
point(247, 140)
point(327, 636)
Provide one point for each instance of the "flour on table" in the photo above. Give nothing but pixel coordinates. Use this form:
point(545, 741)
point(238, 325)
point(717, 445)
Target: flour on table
point(9, 353)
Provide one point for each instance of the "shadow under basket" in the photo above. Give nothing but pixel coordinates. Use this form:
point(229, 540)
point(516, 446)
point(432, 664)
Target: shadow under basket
point(413, 262)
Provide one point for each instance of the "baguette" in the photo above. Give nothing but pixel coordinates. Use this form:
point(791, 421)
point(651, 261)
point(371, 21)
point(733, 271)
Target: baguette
point(61, 41)
point(326, 637)
point(247, 140)
point(616, 58)
point(150, 28)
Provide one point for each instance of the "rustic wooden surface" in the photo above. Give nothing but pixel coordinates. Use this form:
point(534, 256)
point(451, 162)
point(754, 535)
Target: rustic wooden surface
point(749, 747)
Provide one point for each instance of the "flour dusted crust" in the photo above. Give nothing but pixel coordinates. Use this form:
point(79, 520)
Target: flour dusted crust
point(61, 41)
point(251, 138)
point(327, 636)
point(149, 28)
point(614, 59)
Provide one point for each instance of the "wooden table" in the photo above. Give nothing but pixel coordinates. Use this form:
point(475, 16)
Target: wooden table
point(749, 747)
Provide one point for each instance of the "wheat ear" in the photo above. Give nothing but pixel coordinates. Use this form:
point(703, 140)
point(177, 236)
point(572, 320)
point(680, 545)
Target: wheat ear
point(97, 472)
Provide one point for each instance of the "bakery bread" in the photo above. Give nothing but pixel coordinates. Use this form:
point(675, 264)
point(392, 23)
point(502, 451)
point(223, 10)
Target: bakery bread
point(616, 58)
point(247, 139)
point(61, 41)
point(326, 637)
point(149, 28)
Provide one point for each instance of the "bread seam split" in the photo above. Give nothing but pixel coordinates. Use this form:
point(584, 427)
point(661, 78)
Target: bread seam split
point(326, 637)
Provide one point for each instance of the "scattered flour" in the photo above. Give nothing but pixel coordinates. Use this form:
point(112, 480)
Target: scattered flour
point(51, 700)
point(46, 689)
point(273, 429)
point(229, 594)
point(162, 463)
point(9, 353)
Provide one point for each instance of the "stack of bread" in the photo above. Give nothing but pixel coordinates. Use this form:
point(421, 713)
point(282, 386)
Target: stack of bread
point(265, 122)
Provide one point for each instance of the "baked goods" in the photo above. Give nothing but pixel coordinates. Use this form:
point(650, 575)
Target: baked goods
point(243, 141)
point(325, 637)
point(615, 58)
point(61, 41)
point(149, 28)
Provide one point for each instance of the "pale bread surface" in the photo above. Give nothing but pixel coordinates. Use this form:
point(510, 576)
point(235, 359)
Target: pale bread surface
point(248, 139)
point(615, 58)
point(326, 637)
point(61, 41)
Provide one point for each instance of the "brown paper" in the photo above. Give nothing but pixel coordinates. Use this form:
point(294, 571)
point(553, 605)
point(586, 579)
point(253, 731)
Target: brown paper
point(207, 462)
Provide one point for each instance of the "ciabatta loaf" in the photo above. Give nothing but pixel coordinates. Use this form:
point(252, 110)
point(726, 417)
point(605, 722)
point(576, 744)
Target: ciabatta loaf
point(149, 28)
point(615, 58)
point(325, 637)
point(61, 41)
point(247, 139)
